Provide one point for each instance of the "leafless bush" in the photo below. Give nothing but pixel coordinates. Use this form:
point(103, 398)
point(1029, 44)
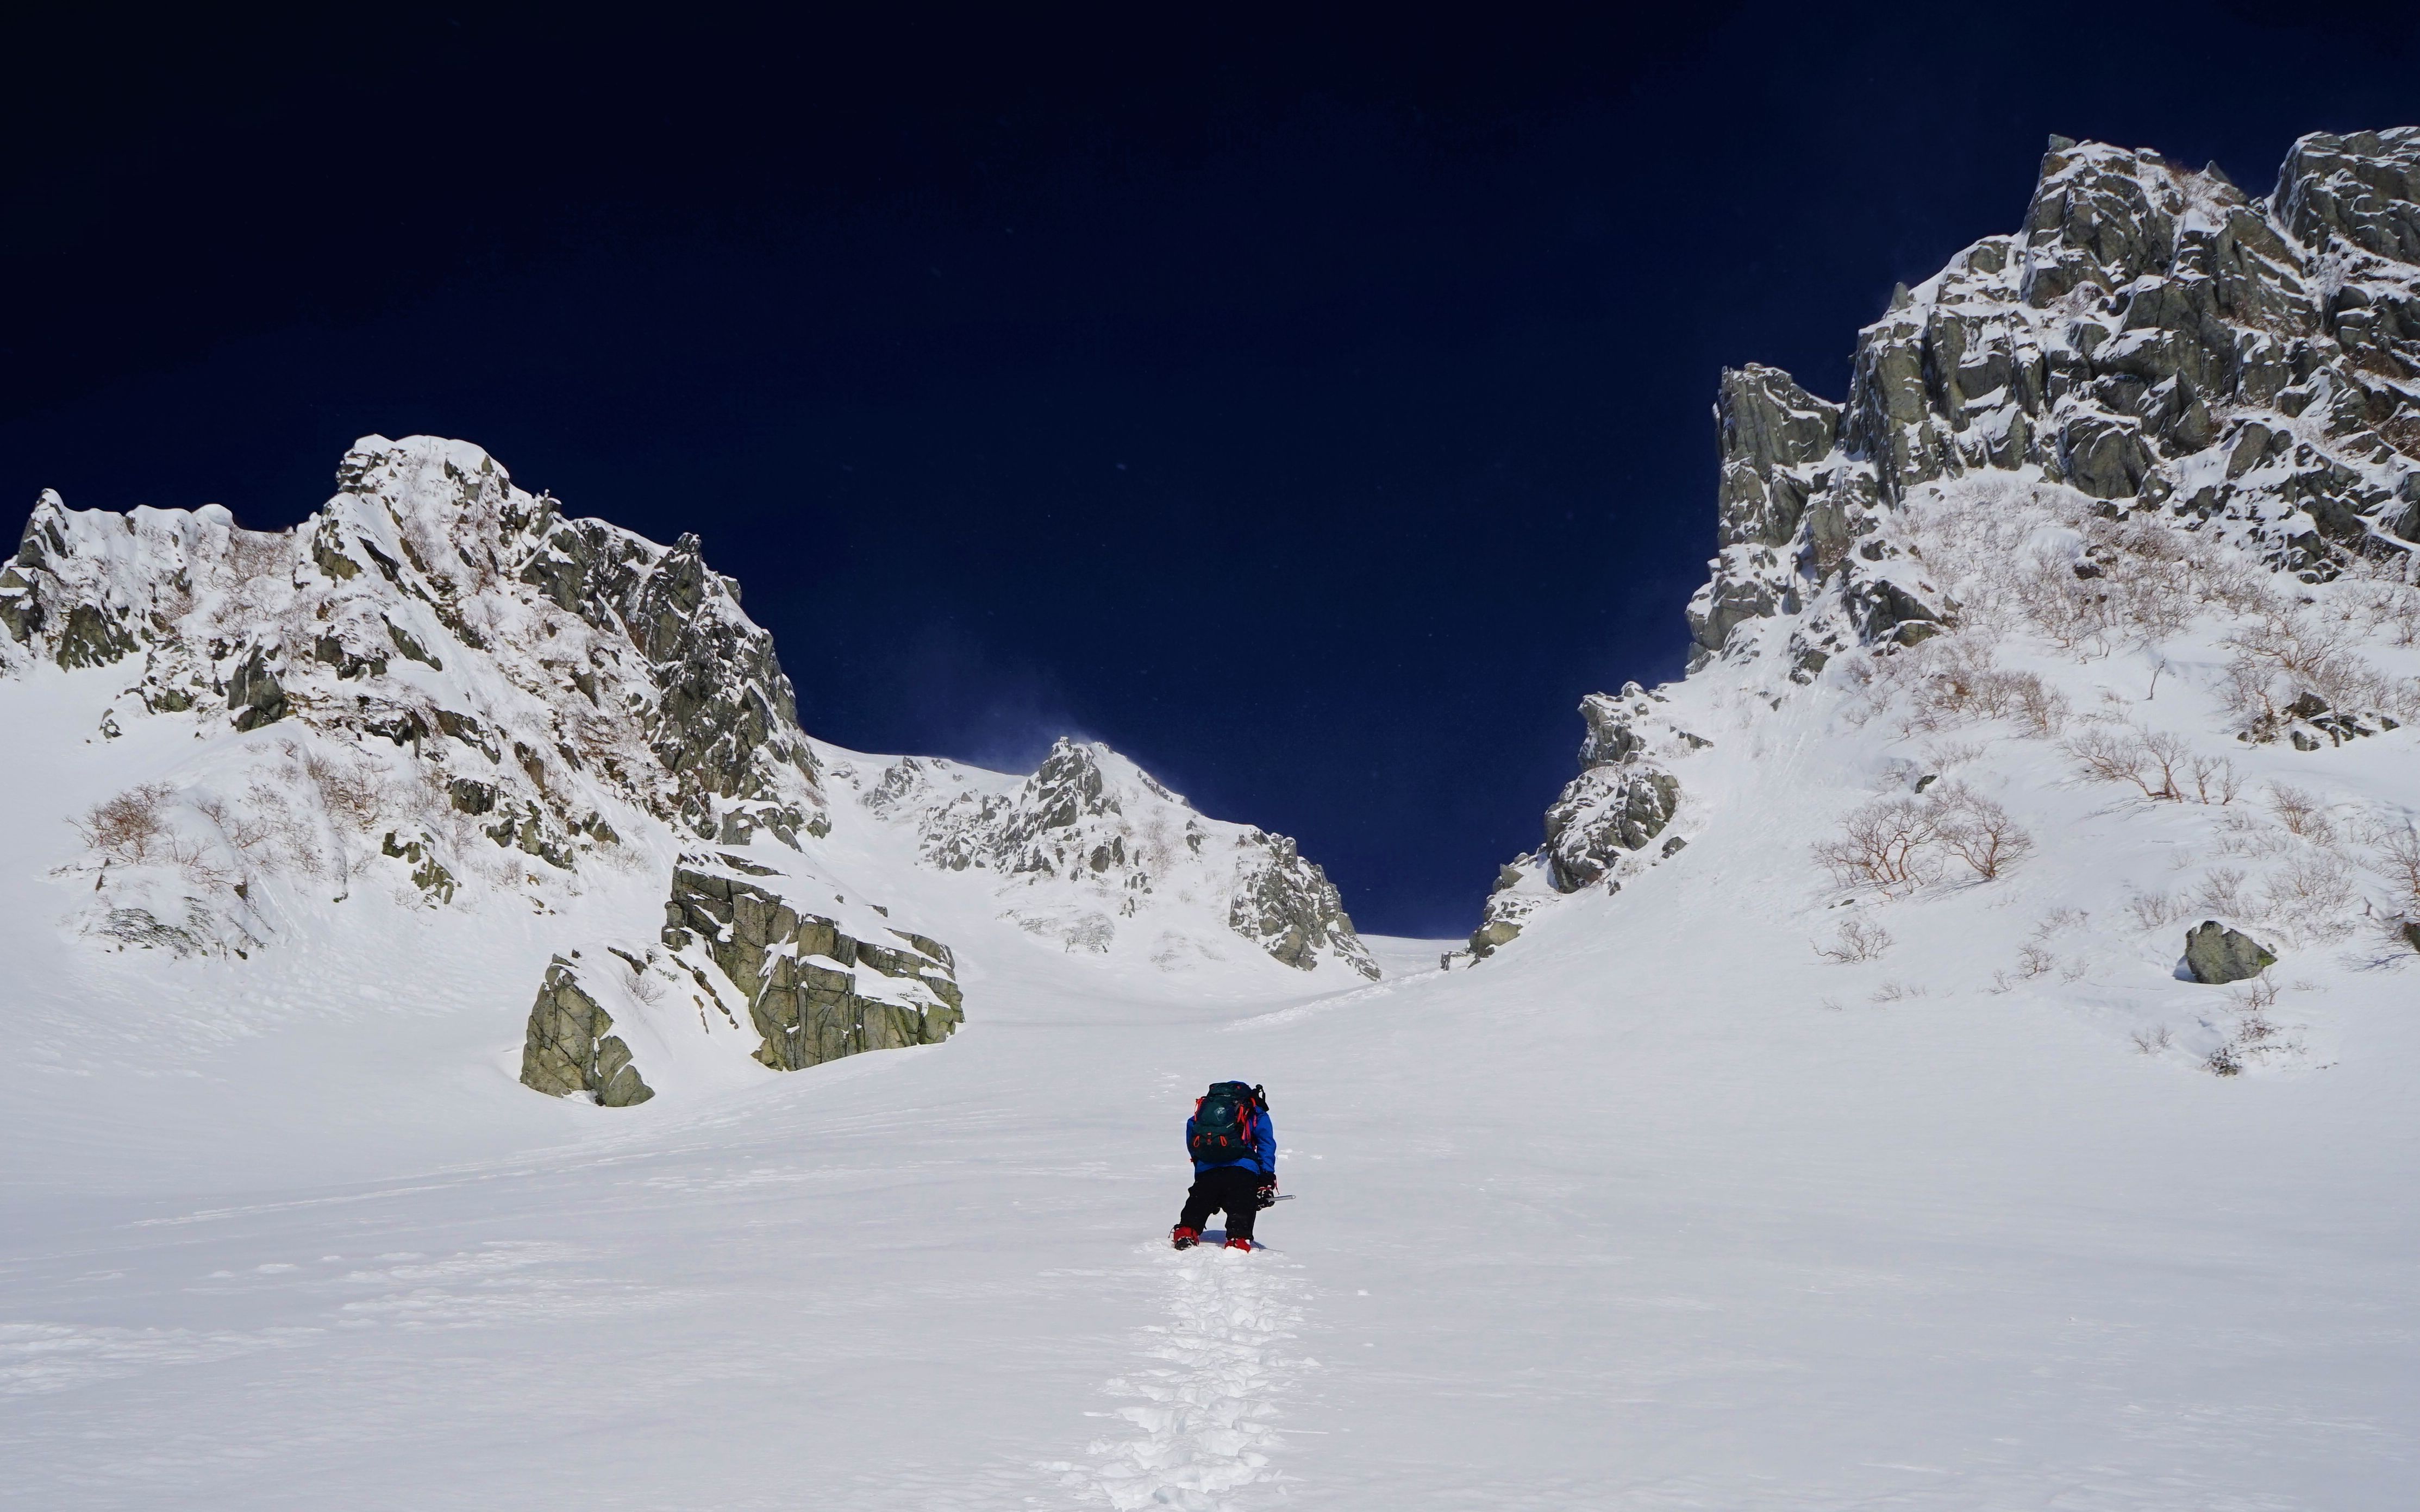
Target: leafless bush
point(2042, 710)
point(132, 828)
point(1960, 684)
point(2257, 996)
point(2316, 892)
point(2156, 1040)
point(1894, 844)
point(245, 833)
point(348, 787)
point(2155, 910)
point(1951, 754)
point(1979, 832)
point(2283, 652)
point(1888, 843)
point(1859, 940)
point(2389, 609)
point(2158, 763)
point(2033, 960)
point(2060, 921)
point(2215, 781)
point(1892, 992)
point(2302, 813)
point(2222, 893)
point(2398, 856)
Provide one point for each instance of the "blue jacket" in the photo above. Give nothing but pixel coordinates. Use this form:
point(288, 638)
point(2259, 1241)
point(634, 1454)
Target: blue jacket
point(1264, 1157)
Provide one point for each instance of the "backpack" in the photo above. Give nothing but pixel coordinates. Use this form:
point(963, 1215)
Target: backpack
point(1225, 1127)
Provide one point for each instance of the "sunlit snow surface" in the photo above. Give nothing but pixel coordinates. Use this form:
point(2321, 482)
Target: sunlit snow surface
point(1655, 1210)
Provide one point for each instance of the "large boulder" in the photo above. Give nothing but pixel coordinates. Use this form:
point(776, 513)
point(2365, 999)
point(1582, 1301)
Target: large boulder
point(569, 1046)
point(812, 990)
point(2216, 954)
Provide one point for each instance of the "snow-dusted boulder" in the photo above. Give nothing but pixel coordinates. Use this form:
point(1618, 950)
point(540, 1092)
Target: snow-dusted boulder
point(2215, 954)
point(570, 1048)
point(813, 989)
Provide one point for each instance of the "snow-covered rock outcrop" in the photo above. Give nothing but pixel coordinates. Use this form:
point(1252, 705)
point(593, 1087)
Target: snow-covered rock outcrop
point(440, 684)
point(2101, 589)
point(1093, 852)
point(439, 704)
point(437, 670)
point(2152, 337)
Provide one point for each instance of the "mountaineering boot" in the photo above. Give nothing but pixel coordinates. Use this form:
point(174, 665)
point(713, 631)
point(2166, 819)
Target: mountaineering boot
point(1244, 1245)
point(1183, 1238)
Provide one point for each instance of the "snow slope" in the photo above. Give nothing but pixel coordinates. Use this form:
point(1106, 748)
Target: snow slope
point(1629, 1217)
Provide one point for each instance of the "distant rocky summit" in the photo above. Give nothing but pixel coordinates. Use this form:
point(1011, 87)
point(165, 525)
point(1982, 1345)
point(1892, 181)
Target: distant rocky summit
point(1091, 849)
point(2195, 365)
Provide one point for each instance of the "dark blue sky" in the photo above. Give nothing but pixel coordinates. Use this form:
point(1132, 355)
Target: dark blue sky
point(1313, 410)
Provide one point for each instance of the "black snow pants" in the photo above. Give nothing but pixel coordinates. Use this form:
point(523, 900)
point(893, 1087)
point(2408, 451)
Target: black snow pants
point(1233, 1189)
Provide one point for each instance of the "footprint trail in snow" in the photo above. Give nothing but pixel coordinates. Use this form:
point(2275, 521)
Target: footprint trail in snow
point(1203, 1428)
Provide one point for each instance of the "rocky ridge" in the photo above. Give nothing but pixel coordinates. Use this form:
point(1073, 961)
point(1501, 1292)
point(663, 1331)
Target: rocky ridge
point(492, 687)
point(2080, 418)
point(441, 690)
point(2153, 339)
point(1091, 850)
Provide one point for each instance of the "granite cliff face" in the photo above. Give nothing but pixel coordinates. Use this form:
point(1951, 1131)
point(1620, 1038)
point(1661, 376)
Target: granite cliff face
point(2152, 337)
point(2155, 370)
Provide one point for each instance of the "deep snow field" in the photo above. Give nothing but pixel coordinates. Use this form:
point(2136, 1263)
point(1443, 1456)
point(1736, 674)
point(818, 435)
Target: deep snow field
point(1654, 1210)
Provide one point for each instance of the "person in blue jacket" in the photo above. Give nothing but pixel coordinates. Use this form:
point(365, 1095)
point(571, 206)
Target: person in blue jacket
point(1233, 1148)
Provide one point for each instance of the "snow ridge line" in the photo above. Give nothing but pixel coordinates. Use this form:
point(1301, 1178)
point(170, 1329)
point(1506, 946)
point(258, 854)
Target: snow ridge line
point(1204, 1424)
point(1320, 1005)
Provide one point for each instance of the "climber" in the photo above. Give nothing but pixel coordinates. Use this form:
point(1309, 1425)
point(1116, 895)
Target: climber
point(1234, 1152)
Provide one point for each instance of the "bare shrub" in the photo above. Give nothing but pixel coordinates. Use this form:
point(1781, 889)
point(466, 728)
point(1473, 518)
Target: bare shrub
point(2033, 960)
point(2215, 781)
point(1892, 992)
point(1979, 832)
point(2283, 652)
point(2155, 910)
point(1857, 941)
point(348, 788)
point(2255, 997)
point(2316, 892)
point(1894, 844)
point(2060, 921)
point(2389, 609)
point(1888, 843)
point(2398, 856)
point(2158, 763)
point(2302, 813)
point(2222, 893)
point(245, 833)
point(1950, 754)
point(2154, 1040)
point(2042, 710)
point(130, 828)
